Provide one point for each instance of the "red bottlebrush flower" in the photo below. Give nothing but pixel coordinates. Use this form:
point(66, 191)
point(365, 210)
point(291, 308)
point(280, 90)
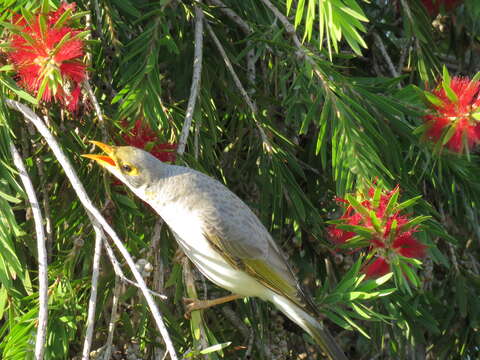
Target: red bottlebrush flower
point(460, 113)
point(377, 268)
point(406, 245)
point(47, 56)
point(433, 6)
point(143, 137)
point(378, 220)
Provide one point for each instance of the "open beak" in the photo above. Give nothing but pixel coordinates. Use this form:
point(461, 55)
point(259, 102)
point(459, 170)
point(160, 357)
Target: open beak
point(103, 160)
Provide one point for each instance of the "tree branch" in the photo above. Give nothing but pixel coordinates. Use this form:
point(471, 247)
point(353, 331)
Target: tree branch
point(242, 24)
point(302, 51)
point(113, 319)
point(251, 104)
point(42, 254)
point(383, 51)
point(95, 215)
point(197, 73)
point(92, 303)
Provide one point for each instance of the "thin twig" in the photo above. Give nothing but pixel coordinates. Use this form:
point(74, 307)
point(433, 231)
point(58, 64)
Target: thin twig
point(92, 303)
point(42, 254)
point(113, 319)
point(403, 56)
point(196, 140)
point(43, 189)
point(196, 77)
point(158, 272)
point(242, 24)
point(119, 272)
point(251, 104)
point(302, 53)
point(98, 110)
point(383, 51)
point(96, 216)
point(99, 238)
point(251, 339)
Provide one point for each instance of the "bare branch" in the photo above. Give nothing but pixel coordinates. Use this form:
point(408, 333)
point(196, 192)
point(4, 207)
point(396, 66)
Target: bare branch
point(197, 73)
point(403, 56)
point(303, 53)
point(42, 254)
point(92, 303)
point(383, 51)
point(246, 97)
point(251, 104)
point(113, 319)
point(43, 186)
point(95, 215)
point(242, 24)
point(97, 108)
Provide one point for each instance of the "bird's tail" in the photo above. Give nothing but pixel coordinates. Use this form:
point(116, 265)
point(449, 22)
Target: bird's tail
point(311, 325)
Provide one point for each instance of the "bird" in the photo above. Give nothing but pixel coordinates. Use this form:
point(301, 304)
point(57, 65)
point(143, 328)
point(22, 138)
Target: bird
point(220, 235)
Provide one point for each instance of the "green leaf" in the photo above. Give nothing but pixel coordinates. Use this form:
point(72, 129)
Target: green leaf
point(407, 203)
point(446, 76)
point(10, 84)
point(415, 221)
point(45, 6)
point(216, 347)
point(433, 98)
point(360, 230)
point(392, 203)
point(63, 19)
point(10, 198)
point(357, 205)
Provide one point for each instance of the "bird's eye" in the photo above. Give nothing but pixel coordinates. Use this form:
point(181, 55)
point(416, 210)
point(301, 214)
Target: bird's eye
point(126, 168)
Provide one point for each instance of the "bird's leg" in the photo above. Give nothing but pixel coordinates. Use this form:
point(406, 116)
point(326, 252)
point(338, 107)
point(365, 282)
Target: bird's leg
point(197, 304)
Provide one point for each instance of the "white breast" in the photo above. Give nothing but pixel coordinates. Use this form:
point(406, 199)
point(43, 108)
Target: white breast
point(188, 229)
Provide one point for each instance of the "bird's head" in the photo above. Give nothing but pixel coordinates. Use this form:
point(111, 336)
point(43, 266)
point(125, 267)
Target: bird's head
point(134, 167)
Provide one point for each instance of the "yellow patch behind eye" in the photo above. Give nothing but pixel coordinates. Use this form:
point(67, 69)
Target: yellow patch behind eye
point(133, 172)
point(129, 169)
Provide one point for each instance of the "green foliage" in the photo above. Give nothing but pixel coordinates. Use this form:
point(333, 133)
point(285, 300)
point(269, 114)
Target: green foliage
point(335, 118)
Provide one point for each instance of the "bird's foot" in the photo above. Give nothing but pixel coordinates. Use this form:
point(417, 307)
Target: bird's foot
point(192, 304)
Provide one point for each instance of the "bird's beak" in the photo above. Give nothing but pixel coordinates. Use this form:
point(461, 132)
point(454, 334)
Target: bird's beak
point(104, 160)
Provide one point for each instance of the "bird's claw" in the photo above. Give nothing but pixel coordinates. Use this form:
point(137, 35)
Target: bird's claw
point(192, 304)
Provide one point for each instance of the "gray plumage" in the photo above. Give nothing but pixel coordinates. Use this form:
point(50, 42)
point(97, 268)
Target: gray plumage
point(221, 236)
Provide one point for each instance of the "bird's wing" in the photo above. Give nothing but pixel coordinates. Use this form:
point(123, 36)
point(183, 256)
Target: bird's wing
point(276, 277)
point(239, 237)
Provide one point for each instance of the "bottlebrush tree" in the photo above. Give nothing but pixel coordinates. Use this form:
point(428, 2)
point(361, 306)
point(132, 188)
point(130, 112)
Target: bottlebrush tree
point(352, 128)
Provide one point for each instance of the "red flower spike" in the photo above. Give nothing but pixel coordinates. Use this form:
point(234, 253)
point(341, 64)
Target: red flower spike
point(406, 245)
point(143, 137)
point(377, 268)
point(389, 236)
point(457, 114)
point(41, 57)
